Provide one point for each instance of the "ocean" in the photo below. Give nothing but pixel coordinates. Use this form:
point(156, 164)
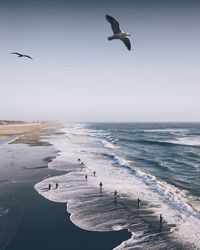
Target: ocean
point(158, 163)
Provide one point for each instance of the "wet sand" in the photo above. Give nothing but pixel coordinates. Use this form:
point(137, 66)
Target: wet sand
point(46, 225)
point(29, 220)
point(92, 210)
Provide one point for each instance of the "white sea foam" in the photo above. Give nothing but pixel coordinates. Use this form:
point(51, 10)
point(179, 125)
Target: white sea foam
point(121, 161)
point(184, 141)
point(85, 202)
point(108, 144)
point(188, 141)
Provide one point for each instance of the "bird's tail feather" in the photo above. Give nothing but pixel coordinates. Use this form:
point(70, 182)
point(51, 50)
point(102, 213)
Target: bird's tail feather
point(110, 38)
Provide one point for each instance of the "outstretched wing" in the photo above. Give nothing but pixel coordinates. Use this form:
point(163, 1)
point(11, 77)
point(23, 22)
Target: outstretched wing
point(15, 53)
point(114, 24)
point(127, 43)
point(28, 56)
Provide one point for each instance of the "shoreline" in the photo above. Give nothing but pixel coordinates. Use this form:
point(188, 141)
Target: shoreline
point(98, 212)
point(55, 229)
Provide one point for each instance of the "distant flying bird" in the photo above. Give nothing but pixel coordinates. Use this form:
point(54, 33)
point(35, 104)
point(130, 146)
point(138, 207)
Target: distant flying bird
point(118, 34)
point(21, 55)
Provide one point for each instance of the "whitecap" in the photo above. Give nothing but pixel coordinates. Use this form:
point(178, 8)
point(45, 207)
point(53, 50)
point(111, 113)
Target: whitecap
point(94, 211)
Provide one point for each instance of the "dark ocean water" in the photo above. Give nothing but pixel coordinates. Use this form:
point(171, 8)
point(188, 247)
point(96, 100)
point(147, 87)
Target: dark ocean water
point(159, 163)
point(169, 151)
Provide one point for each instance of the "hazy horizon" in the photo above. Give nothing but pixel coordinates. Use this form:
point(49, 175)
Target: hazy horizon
point(158, 80)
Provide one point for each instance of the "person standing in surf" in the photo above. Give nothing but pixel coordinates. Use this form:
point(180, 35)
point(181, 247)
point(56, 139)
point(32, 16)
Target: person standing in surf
point(115, 197)
point(138, 202)
point(101, 186)
point(161, 222)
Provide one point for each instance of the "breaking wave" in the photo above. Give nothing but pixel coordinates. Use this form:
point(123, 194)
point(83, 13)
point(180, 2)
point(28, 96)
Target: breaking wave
point(94, 210)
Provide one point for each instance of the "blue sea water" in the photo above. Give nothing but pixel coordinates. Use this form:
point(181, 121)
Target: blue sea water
point(159, 163)
point(169, 151)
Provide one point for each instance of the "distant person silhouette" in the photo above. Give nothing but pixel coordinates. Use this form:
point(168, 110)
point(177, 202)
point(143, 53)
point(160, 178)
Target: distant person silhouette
point(161, 218)
point(86, 177)
point(81, 164)
point(101, 186)
point(49, 186)
point(94, 173)
point(115, 196)
point(161, 222)
point(56, 185)
point(138, 202)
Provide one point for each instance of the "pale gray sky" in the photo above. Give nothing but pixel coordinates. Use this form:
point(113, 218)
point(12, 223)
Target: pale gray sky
point(157, 81)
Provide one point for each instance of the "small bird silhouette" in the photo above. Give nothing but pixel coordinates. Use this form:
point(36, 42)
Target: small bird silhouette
point(21, 55)
point(117, 33)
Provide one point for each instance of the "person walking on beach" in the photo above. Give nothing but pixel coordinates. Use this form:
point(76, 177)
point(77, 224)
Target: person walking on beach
point(115, 196)
point(161, 222)
point(161, 219)
point(79, 161)
point(94, 173)
point(138, 202)
point(56, 185)
point(101, 186)
point(86, 177)
point(49, 186)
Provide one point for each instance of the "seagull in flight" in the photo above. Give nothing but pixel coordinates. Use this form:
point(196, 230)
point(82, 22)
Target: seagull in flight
point(21, 55)
point(117, 33)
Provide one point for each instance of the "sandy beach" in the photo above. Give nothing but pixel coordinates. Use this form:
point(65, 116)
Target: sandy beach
point(27, 220)
point(28, 133)
point(11, 129)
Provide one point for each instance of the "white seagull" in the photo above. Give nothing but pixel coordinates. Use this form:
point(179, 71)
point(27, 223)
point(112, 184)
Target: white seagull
point(21, 55)
point(117, 33)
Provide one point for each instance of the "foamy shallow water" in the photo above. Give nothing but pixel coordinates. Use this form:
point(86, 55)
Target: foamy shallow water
point(95, 211)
